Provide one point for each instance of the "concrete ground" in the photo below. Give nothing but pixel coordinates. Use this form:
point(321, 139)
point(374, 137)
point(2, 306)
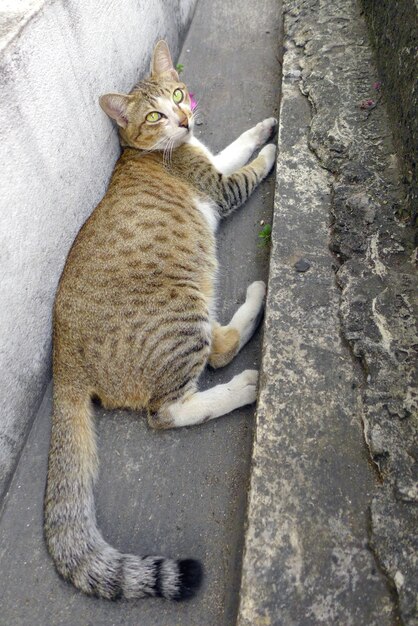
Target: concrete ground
point(180, 493)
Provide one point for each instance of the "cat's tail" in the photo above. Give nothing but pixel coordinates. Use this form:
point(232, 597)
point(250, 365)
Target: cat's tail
point(75, 543)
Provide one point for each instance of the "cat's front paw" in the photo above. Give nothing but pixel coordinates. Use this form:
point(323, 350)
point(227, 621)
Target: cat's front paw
point(269, 154)
point(264, 130)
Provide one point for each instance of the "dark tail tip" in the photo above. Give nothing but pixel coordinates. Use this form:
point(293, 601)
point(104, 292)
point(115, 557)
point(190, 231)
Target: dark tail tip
point(191, 576)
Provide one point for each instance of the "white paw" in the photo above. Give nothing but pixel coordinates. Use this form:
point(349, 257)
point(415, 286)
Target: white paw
point(250, 377)
point(264, 130)
point(269, 154)
point(245, 379)
point(244, 386)
point(256, 292)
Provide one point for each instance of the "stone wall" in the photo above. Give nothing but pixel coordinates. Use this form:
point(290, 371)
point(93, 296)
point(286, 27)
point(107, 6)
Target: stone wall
point(394, 31)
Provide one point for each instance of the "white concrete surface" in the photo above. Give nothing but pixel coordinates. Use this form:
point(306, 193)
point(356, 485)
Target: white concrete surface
point(57, 150)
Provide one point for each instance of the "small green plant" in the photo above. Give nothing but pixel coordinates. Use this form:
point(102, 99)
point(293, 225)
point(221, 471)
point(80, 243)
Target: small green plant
point(265, 235)
point(179, 68)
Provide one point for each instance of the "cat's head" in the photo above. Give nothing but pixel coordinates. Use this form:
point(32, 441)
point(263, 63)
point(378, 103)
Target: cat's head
point(157, 114)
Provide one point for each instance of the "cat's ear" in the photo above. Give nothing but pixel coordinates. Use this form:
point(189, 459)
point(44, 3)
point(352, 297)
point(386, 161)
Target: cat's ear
point(116, 106)
point(161, 62)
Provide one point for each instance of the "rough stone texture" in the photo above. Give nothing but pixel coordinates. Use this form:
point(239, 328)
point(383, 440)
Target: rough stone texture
point(182, 492)
point(57, 150)
point(377, 277)
point(301, 565)
point(394, 29)
point(307, 559)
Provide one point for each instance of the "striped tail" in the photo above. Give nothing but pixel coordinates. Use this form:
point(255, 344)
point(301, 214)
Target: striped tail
point(80, 553)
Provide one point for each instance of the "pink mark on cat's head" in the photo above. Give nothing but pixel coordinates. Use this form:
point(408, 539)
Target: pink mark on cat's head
point(377, 85)
point(193, 103)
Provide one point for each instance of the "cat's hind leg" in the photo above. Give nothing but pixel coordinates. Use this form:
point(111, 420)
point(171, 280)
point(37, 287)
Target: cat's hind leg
point(239, 152)
point(228, 340)
point(203, 406)
point(196, 407)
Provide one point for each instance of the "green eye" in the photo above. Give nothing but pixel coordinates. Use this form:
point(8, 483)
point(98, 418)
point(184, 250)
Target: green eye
point(178, 96)
point(154, 116)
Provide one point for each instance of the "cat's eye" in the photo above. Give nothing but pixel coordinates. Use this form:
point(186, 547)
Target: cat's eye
point(154, 116)
point(178, 96)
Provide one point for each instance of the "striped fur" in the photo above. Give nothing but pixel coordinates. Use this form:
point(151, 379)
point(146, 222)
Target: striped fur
point(134, 322)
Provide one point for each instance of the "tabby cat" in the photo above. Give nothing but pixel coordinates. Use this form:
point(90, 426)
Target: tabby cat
point(134, 317)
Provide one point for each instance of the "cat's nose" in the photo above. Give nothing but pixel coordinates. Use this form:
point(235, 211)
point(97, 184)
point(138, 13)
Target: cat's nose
point(184, 122)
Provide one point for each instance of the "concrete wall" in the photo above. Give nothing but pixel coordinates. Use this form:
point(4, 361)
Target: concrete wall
point(57, 150)
point(394, 30)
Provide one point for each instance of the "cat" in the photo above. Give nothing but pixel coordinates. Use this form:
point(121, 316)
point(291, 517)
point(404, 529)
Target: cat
point(134, 317)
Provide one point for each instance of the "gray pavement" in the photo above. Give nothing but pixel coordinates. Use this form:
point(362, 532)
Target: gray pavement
point(179, 493)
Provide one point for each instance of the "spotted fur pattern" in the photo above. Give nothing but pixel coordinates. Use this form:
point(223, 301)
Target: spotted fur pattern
point(134, 321)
